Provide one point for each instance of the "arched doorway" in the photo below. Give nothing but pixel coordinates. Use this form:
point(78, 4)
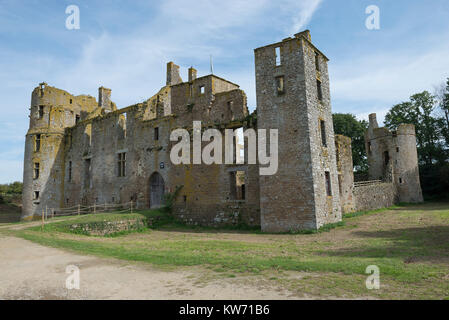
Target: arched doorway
point(157, 188)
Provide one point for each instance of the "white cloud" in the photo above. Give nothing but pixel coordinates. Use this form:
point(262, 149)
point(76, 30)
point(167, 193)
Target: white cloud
point(390, 76)
point(305, 11)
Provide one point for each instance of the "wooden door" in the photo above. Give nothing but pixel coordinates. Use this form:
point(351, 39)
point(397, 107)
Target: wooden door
point(157, 188)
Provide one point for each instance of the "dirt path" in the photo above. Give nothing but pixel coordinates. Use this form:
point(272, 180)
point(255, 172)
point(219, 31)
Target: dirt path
point(32, 271)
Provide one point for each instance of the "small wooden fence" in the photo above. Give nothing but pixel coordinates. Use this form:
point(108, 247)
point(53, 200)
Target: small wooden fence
point(79, 209)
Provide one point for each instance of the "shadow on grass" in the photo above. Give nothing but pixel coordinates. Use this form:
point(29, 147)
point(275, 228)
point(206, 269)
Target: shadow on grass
point(9, 217)
point(174, 226)
point(425, 244)
point(9, 213)
point(425, 206)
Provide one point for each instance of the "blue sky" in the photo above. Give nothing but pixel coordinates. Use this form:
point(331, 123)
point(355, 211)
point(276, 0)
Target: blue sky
point(124, 45)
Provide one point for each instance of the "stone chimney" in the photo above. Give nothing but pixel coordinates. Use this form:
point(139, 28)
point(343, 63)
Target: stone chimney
point(104, 99)
point(173, 76)
point(192, 74)
point(373, 121)
point(305, 33)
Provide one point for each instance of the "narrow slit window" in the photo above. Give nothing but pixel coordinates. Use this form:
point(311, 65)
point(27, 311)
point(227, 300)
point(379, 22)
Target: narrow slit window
point(340, 189)
point(328, 184)
point(36, 170)
point(77, 118)
point(37, 145)
point(70, 171)
point(156, 133)
point(369, 148)
point(36, 195)
point(277, 51)
point(323, 133)
point(319, 90)
point(41, 112)
point(317, 61)
point(280, 85)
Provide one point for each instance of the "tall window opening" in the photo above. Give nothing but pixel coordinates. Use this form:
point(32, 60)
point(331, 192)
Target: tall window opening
point(386, 157)
point(237, 185)
point(122, 164)
point(340, 189)
point(328, 184)
point(280, 85)
point(41, 112)
point(36, 170)
point(37, 144)
point(156, 133)
point(277, 51)
point(323, 133)
point(320, 90)
point(70, 171)
point(317, 61)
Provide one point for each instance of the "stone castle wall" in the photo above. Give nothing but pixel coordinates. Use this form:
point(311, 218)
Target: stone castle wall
point(295, 197)
point(374, 196)
point(84, 145)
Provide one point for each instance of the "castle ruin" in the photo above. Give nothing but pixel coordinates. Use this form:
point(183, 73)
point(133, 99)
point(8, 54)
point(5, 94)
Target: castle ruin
point(80, 151)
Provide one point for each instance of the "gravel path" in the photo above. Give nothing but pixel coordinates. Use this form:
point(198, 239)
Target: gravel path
point(32, 271)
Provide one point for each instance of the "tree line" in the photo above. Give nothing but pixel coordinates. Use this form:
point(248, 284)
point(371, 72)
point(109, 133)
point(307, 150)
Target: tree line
point(9, 191)
point(429, 113)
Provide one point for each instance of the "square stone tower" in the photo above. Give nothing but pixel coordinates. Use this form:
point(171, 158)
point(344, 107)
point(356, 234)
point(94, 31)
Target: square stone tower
point(292, 88)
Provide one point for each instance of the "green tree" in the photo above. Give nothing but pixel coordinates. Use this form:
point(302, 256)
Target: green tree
point(419, 111)
point(12, 188)
point(15, 187)
point(444, 106)
point(346, 124)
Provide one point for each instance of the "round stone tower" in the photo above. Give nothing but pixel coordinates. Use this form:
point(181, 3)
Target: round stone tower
point(405, 166)
point(52, 110)
point(393, 157)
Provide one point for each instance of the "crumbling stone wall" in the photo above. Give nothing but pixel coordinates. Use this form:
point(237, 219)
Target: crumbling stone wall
point(374, 196)
point(89, 146)
point(82, 142)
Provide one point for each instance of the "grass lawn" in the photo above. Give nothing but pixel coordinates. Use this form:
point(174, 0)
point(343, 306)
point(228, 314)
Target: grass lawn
point(409, 244)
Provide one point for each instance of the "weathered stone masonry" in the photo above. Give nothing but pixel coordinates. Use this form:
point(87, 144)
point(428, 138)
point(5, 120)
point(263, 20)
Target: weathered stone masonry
point(80, 151)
